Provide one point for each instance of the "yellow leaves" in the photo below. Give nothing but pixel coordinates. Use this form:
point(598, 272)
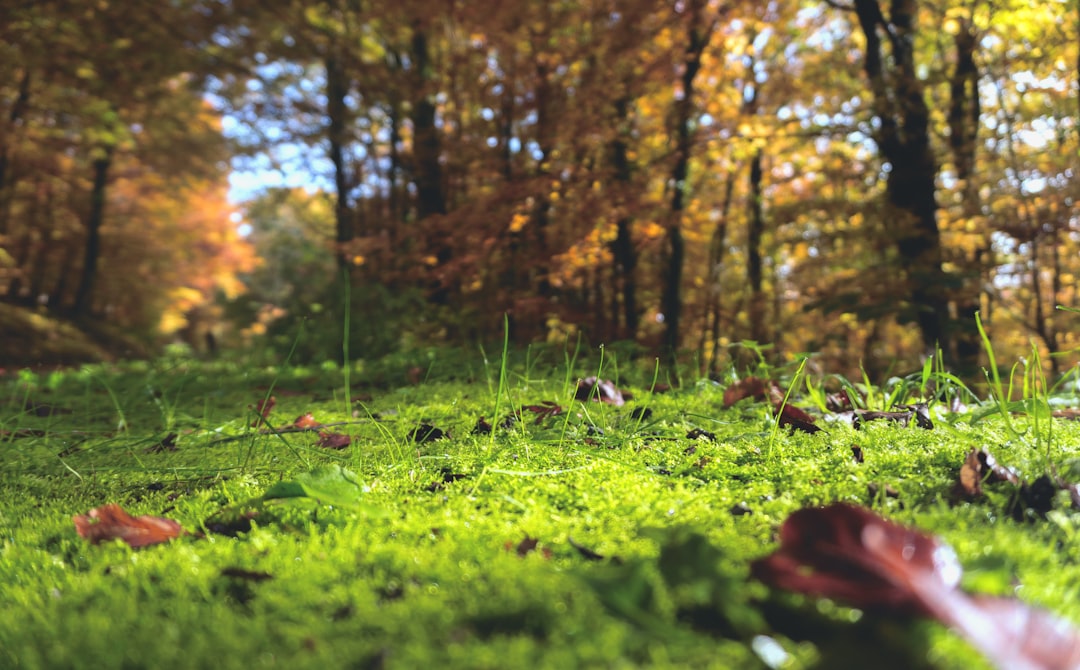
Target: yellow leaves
point(518, 222)
point(430, 260)
point(652, 230)
point(358, 260)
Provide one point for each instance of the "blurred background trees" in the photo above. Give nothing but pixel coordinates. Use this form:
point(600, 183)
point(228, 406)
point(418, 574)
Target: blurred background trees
point(849, 177)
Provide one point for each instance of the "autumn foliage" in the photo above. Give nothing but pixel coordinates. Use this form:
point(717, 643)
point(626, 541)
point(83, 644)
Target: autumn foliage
point(856, 179)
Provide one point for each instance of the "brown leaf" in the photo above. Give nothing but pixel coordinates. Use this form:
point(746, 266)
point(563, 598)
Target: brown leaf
point(168, 443)
point(852, 555)
point(333, 440)
point(306, 421)
point(797, 419)
point(544, 410)
point(601, 390)
point(752, 387)
point(263, 408)
point(527, 546)
point(111, 522)
point(425, 432)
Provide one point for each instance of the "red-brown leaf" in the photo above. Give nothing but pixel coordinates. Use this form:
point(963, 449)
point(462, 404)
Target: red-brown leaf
point(793, 417)
point(852, 555)
point(111, 522)
point(263, 408)
point(305, 421)
point(334, 440)
point(602, 390)
point(544, 410)
point(752, 387)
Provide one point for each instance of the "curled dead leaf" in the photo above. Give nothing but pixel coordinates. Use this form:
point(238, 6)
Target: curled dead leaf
point(850, 554)
point(111, 522)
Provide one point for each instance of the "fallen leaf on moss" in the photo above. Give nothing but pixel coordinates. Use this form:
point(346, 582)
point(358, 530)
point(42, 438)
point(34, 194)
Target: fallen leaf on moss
point(111, 522)
point(797, 419)
point(167, 443)
point(305, 421)
point(425, 432)
point(544, 410)
point(263, 409)
point(852, 555)
point(333, 440)
point(599, 390)
point(752, 387)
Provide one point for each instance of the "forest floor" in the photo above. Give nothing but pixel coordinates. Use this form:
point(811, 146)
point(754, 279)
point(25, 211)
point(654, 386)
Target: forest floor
point(35, 335)
point(448, 511)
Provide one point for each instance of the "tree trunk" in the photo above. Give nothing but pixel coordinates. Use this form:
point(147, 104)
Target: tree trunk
point(94, 220)
point(671, 301)
point(337, 88)
point(623, 252)
point(426, 146)
point(755, 230)
point(904, 141)
point(717, 245)
point(963, 117)
point(18, 108)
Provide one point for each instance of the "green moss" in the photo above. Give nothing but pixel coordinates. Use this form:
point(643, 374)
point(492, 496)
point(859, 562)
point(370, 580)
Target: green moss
point(430, 566)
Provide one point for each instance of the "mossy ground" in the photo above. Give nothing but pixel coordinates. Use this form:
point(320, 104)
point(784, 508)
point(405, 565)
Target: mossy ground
point(431, 570)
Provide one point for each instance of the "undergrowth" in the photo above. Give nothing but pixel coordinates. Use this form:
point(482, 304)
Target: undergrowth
point(499, 521)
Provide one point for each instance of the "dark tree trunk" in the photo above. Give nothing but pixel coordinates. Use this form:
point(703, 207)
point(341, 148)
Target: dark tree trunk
point(337, 89)
point(426, 146)
point(94, 220)
point(754, 232)
point(18, 108)
point(671, 300)
point(963, 117)
point(717, 246)
point(623, 251)
point(904, 141)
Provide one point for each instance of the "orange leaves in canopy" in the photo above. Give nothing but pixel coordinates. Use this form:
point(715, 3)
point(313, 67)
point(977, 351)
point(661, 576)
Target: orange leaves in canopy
point(111, 522)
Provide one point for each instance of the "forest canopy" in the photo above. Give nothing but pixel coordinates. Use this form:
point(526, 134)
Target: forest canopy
point(854, 178)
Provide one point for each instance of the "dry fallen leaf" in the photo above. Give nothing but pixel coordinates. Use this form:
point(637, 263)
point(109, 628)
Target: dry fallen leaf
point(852, 555)
point(306, 421)
point(111, 522)
point(263, 409)
point(333, 440)
point(600, 390)
point(752, 387)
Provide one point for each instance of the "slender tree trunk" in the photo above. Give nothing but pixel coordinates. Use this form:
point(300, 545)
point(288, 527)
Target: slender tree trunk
point(903, 138)
point(623, 252)
point(698, 35)
point(963, 117)
point(755, 231)
point(717, 246)
point(337, 89)
point(426, 146)
point(94, 220)
point(18, 109)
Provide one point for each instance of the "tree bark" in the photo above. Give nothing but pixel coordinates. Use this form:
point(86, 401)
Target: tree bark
point(717, 245)
point(754, 233)
point(426, 146)
point(671, 301)
point(903, 139)
point(963, 117)
point(623, 252)
point(337, 88)
point(94, 220)
point(18, 109)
